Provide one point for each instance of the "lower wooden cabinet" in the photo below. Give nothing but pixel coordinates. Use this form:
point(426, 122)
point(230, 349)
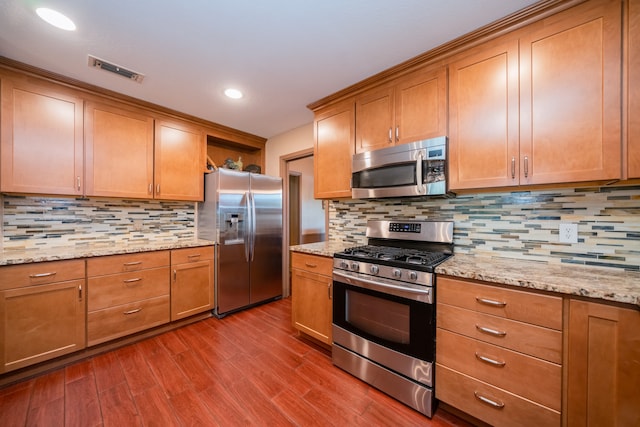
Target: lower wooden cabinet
point(42, 312)
point(192, 272)
point(311, 292)
point(603, 387)
point(499, 353)
point(127, 294)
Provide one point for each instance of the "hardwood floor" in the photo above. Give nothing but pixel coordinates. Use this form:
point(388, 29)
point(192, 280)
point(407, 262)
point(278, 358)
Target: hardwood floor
point(249, 368)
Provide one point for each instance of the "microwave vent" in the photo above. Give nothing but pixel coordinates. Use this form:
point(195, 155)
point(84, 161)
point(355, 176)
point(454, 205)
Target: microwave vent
point(116, 69)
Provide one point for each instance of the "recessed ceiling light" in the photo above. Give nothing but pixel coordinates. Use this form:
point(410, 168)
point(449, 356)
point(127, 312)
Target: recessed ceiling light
point(56, 19)
point(233, 93)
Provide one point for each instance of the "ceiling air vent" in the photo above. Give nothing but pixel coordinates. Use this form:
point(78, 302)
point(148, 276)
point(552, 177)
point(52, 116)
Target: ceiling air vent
point(116, 69)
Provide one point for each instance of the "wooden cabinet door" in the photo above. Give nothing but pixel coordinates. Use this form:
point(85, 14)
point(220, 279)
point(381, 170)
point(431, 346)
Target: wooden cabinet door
point(38, 323)
point(374, 119)
point(570, 96)
point(633, 91)
point(483, 120)
point(191, 281)
point(42, 141)
point(119, 152)
point(180, 162)
point(421, 106)
point(311, 304)
point(334, 134)
point(603, 365)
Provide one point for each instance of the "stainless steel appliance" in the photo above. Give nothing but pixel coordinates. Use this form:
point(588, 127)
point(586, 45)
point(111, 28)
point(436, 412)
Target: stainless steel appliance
point(242, 211)
point(406, 170)
point(384, 308)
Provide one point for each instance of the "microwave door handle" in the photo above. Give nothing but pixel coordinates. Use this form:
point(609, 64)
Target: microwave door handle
point(420, 172)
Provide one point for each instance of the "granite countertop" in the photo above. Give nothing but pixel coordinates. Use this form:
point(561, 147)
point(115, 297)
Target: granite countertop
point(599, 283)
point(322, 248)
point(24, 256)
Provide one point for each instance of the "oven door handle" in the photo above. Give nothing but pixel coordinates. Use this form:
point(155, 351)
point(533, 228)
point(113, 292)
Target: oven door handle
point(423, 294)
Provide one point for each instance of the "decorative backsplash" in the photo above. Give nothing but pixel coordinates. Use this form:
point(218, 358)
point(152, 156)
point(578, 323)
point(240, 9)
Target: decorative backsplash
point(32, 222)
point(522, 224)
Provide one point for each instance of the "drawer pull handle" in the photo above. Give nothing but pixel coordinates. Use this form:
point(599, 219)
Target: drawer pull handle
point(490, 361)
point(491, 331)
point(137, 279)
point(491, 402)
point(134, 311)
point(41, 275)
point(193, 256)
point(492, 303)
point(308, 264)
point(129, 264)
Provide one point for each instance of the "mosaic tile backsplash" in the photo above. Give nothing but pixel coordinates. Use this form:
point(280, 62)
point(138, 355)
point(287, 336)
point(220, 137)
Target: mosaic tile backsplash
point(33, 222)
point(522, 225)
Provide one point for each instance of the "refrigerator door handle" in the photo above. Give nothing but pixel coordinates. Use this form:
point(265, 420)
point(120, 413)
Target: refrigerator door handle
point(252, 220)
point(247, 227)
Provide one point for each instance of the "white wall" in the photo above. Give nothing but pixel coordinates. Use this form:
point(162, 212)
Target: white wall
point(312, 218)
point(286, 143)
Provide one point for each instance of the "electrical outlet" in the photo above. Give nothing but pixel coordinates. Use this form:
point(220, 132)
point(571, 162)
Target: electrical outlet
point(568, 233)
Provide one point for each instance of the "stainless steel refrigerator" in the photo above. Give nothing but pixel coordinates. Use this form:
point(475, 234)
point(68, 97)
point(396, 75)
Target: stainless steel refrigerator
point(242, 212)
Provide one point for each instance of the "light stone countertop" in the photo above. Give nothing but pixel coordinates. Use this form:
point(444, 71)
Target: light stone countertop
point(599, 283)
point(24, 256)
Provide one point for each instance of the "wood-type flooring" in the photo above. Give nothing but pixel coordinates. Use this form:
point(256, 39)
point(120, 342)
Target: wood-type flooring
point(248, 369)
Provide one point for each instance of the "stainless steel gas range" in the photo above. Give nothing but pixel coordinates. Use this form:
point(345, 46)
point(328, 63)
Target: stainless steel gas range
point(384, 308)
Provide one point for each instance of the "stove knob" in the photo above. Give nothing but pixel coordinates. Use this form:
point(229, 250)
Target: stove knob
point(397, 273)
point(344, 264)
point(374, 269)
point(355, 266)
point(413, 275)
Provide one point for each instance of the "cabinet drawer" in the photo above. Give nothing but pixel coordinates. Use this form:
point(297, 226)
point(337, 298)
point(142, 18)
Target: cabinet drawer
point(117, 289)
point(529, 339)
point(315, 263)
point(40, 273)
point(115, 322)
point(529, 377)
point(180, 256)
point(529, 307)
point(477, 398)
point(125, 263)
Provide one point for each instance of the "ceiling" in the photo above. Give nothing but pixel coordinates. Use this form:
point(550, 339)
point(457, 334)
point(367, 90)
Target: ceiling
point(283, 54)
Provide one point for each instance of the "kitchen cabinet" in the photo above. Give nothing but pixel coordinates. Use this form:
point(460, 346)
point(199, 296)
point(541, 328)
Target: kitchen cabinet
point(311, 291)
point(180, 161)
point(540, 105)
point(499, 352)
point(410, 108)
point(192, 272)
point(334, 135)
point(603, 365)
point(119, 152)
point(42, 138)
point(127, 294)
point(124, 159)
point(633, 90)
point(42, 312)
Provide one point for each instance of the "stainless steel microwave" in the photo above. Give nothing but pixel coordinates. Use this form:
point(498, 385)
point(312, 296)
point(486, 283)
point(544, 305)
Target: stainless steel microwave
point(407, 170)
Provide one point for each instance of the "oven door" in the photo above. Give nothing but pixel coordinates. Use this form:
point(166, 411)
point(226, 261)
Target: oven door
point(398, 317)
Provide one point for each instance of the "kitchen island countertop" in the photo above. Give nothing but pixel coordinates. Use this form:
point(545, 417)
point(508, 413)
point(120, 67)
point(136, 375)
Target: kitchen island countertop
point(599, 283)
point(24, 256)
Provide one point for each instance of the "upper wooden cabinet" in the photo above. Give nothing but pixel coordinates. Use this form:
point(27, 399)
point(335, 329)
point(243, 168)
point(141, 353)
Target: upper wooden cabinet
point(541, 106)
point(42, 141)
point(119, 152)
point(408, 109)
point(633, 91)
point(334, 133)
point(180, 153)
point(483, 118)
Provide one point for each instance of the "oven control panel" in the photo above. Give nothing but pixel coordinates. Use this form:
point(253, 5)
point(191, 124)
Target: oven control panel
point(405, 227)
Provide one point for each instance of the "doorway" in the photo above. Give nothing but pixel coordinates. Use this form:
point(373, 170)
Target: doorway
point(306, 218)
